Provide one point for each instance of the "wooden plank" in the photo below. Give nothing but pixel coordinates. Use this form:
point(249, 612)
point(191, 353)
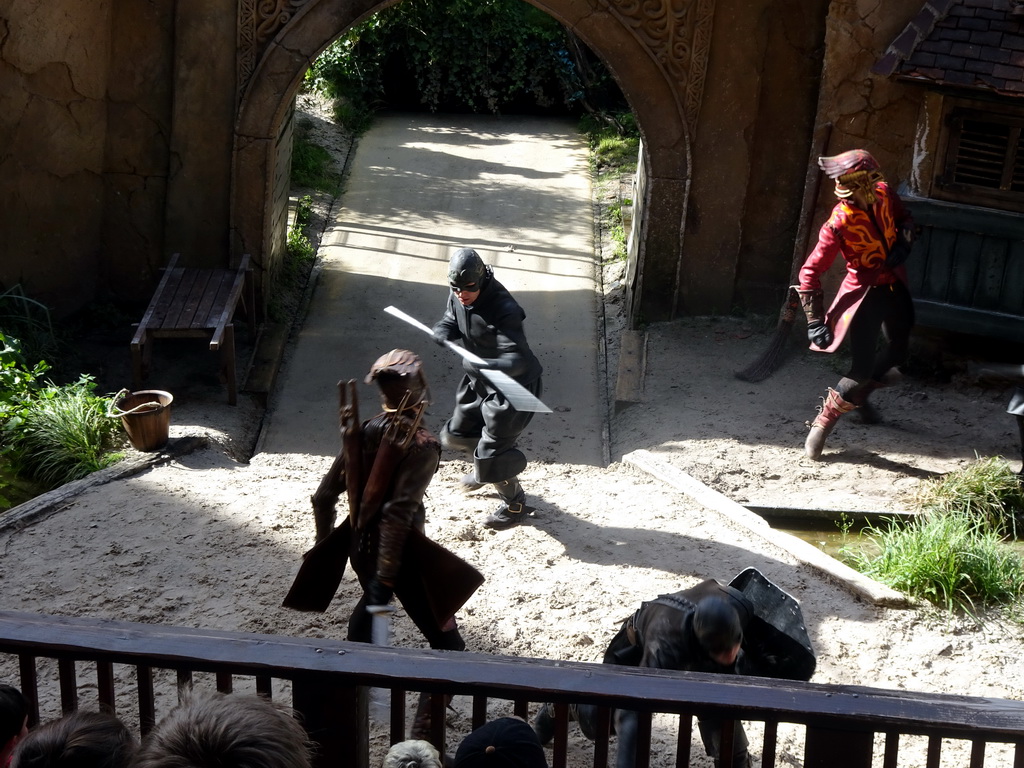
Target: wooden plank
point(967, 255)
point(140, 334)
point(629, 382)
point(931, 314)
point(941, 254)
point(917, 265)
point(187, 300)
point(163, 302)
point(241, 275)
point(991, 269)
point(1011, 298)
point(68, 685)
point(105, 686)
point(213, 302)
point(987, 221)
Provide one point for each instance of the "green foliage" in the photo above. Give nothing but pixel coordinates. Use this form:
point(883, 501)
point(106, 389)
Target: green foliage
point(480, 55)
point(296, 265)
point(614, 150)
point(18, 384)
point(614, 141)
point(954, 554)
point(952, 560)
point(987, 489)
point(300, 249)
point(614, 147)
point(48, 433)
point(65, 434)
point(312, 166)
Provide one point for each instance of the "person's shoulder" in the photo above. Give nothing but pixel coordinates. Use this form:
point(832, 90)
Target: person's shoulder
point(842, 212)
point(499, 300)
point(424, 446)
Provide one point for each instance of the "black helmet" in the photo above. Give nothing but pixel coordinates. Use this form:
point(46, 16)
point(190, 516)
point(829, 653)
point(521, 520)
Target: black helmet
point(466, 269)
point(717, 625)
point(396, 373)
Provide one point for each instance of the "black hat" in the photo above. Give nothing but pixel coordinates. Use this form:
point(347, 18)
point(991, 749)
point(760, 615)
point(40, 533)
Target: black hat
point(507, 742)
point(717, 625)
point(466, 269)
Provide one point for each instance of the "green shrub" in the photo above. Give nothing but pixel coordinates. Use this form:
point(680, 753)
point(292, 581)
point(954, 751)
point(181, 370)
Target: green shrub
point(987, 489)
point(477, 55)
point(951, 559)
point(312, 166)
point(954, 554)
point(18, 383)
point(65, 434)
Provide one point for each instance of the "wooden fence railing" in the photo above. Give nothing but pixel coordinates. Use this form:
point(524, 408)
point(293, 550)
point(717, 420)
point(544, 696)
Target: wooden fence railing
point(139, 667)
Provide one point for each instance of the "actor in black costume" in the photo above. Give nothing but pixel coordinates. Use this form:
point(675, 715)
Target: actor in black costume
point(489, 322)
point(711, 627)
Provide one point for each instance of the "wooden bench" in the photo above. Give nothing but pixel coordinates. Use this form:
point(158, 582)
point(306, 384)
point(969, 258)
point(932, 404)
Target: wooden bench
point(195, 303)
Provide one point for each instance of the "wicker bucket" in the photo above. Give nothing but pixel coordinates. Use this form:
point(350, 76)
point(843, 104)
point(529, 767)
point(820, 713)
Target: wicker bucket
point(146, 416)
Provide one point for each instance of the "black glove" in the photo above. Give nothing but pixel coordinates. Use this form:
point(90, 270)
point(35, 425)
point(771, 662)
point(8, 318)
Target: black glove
point(440, 337)
point(819, 334)
point(378, 593)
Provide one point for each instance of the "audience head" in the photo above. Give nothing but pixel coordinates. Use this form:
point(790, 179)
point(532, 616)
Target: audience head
point(226, 731)
point(414, 753)
point(507, 742)
point(77, 740)
point(13, 719)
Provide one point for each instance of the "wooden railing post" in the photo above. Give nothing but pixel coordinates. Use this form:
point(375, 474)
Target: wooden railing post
point(835, 748)
point(335, 716)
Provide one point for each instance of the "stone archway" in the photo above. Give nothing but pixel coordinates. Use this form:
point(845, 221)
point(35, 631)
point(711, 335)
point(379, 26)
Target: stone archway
point(658, 53)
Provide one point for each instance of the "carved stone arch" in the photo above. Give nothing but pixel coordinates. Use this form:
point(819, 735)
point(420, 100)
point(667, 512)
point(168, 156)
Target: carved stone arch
point(656, 49)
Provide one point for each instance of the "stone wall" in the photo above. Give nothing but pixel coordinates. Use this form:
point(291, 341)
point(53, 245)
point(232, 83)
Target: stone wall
point(750, 152)
point(53, 118)
point(134, 130)
point(117, 131)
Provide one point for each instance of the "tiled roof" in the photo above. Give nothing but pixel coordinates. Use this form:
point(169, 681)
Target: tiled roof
point(975, 44)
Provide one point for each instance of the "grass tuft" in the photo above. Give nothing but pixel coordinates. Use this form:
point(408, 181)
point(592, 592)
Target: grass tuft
point(987, 489)
point(955, 553)
point(66, 434)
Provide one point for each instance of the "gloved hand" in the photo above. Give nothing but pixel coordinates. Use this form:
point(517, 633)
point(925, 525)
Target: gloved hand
point(440, 337)
point(378, 593)
point(819, 334)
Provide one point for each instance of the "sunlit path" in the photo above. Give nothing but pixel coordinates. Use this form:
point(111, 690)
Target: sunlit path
point(515, 188)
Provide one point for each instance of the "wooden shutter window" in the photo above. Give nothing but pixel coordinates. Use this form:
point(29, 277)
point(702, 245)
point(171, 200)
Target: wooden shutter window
point(985, 159)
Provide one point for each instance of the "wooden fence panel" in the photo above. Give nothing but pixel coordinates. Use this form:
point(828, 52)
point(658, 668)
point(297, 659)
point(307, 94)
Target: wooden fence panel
point(836, 725)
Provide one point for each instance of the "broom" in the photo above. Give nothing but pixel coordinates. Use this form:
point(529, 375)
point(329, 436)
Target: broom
point(774, 355)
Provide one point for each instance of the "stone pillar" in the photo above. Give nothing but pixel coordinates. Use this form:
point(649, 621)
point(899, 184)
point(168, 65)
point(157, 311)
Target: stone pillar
point(202, 133)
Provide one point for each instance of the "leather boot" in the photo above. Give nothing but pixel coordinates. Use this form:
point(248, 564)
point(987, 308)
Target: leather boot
point(544, 723)
point(422, 722)
point(512, 509)
point(866, 411)
point(833, 407)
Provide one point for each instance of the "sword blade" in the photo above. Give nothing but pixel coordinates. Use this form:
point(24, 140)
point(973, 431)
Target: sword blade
point(520, 397)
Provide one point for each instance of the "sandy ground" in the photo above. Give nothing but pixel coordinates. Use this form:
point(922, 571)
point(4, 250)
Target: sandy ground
point(209, 539)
